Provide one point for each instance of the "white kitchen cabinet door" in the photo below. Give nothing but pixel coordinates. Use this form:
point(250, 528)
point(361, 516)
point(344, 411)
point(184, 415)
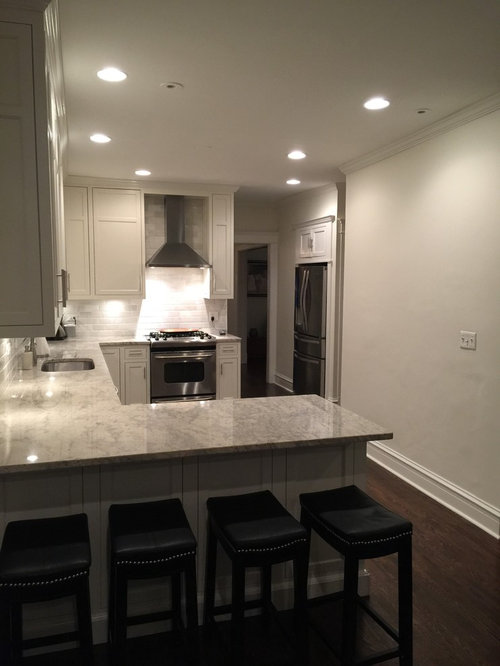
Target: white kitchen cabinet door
point(76, 220)
point(228, 370)
point(314, 241)
point(118, 244)
point(222, 246)
point(135, 382)
point(28, 299)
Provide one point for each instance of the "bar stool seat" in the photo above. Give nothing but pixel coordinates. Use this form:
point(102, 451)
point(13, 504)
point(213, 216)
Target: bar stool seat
point(40, 560)
point(255, 530)
point(358, 527)
point(150, 540)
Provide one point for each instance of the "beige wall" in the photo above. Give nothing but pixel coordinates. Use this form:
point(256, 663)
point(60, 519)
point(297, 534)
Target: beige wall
point(292, 211)
point(254, 217)
point(422, 262)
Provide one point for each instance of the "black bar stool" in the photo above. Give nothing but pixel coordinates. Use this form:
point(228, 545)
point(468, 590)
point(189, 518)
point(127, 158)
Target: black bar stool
point(359, 528)
point(40, 560)
point(255, 530)
point(150, 540)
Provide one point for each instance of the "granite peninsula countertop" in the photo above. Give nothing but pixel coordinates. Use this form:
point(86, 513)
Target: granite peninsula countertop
point(74, 419)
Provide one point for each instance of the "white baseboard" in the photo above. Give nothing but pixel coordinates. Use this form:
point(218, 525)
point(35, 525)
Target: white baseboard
point(470, 507)
point(284, 382)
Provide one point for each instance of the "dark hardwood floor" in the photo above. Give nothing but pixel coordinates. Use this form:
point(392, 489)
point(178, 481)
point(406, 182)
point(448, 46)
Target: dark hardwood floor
point(456, 597)
point(253, 381)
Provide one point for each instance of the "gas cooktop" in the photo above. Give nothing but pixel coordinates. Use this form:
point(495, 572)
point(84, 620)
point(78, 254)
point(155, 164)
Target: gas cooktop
point(178, 335)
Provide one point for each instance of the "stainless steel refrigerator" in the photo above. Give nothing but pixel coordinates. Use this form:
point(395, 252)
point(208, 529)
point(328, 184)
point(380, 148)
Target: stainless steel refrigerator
point(310, 329)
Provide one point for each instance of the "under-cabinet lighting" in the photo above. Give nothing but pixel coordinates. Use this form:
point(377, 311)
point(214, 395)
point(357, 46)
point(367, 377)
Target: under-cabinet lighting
point(32, 458)
point(100, 138)
point(142, 172)
point(111, 74)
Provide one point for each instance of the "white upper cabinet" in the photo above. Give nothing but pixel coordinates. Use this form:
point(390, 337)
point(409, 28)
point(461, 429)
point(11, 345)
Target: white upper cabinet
point(28, 290)
point(104, 242)
point(76, 221)
point(221, 246)
point(118, 242)
point(314, 240)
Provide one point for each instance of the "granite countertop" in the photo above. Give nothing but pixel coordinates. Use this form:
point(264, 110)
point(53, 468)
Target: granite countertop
point(74, 419)
point(227, 337)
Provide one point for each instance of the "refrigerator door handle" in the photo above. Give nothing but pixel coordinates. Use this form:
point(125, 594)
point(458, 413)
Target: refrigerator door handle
point(300, 308)
point(304, 300)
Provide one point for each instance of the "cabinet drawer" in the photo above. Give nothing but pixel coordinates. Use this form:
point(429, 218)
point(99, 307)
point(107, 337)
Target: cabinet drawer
point(132, 353)
point(228, 348)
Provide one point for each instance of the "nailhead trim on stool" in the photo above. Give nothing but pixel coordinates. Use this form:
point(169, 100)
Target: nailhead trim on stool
point(149, 540)
point(40, 560)
point(255, 530)
point(359, 528)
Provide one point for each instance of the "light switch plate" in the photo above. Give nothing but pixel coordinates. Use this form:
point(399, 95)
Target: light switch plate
point(468, 340)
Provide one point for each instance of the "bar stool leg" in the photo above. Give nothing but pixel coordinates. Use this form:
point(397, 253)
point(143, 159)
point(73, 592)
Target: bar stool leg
point(405, 603)
point(265, 586)
point(120, 628)
point(210, 571)
point(16, 624)
point(237, 611)
point(349, 616)
point(85, 620)
point(191, 596)
point(175, 582)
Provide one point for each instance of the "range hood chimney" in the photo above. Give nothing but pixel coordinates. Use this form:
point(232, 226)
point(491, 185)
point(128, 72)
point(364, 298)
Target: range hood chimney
point(176, 252)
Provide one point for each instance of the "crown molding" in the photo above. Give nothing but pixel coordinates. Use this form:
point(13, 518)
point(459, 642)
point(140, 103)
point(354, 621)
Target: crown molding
point(462, 117)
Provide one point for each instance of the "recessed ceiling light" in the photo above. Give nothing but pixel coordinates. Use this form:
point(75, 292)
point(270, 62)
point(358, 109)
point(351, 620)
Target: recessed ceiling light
point(172, 85)
point(111, 74)
point(100, 138)
point(375, 103)
point(142, 172)
point(293, 181)
point(296, 155)
point(423, 110)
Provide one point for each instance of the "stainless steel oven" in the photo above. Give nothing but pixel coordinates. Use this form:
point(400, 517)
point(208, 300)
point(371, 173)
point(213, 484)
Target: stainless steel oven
point(182, 369)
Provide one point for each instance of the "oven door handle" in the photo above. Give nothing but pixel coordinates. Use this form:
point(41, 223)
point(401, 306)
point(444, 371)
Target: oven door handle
point(184, 355)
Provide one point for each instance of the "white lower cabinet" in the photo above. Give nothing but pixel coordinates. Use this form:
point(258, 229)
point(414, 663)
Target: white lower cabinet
point(128, 366)
point(228, 370)
point(135, 375)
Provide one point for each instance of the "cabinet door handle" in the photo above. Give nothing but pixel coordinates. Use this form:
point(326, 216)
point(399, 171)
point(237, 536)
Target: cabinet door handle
point(64, 275)
point(144, 373)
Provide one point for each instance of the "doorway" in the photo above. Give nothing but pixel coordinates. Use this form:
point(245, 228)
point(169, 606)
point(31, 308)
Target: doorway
point(252, 312)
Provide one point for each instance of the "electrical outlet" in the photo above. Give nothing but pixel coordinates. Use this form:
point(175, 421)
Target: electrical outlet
point(213, 317)
point(468, 340)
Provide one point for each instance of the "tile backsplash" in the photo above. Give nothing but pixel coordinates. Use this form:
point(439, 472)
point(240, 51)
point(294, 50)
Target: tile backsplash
point(10, 359)
point(174, 299)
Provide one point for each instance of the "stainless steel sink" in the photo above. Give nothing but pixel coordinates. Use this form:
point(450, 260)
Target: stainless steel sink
point(67, 364)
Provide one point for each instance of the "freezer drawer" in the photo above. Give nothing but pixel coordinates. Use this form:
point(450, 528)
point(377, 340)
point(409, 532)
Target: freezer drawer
point(305, 345)
point(308, 375)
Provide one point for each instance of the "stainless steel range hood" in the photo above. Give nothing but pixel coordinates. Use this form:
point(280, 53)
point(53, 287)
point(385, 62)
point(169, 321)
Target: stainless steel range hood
point(176, 252)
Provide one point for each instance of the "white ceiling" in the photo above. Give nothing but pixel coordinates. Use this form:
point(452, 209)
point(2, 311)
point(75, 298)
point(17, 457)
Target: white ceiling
point(262, 77)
